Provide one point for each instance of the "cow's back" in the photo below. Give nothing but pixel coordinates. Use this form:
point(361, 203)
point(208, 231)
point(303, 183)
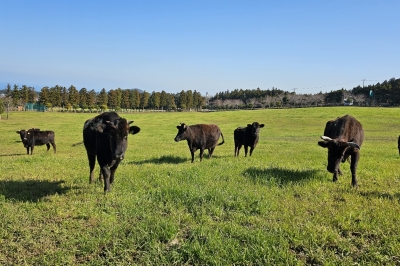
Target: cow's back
point(345, 128)
point(40, 137)
point(205, 135)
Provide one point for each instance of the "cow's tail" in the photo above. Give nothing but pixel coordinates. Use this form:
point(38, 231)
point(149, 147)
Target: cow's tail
point(76, 144)
point(223, 141)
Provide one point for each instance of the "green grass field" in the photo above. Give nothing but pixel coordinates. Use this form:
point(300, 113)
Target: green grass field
point(278, 207)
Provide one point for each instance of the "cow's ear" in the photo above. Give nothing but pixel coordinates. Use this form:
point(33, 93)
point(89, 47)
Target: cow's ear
point(178, 127)
point(130, 122)
point(134, 130)
point(248, 125)
point(323, 144)
point(18, 132)
point(261, 125)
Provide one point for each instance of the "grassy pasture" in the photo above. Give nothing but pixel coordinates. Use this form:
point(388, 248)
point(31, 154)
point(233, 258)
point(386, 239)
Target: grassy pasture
point(277, 207)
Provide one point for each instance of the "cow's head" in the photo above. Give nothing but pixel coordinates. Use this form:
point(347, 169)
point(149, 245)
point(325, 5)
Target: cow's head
point(117, 132)
point(336, 151)
point(23, 134)
point(255, 128)
point(181, 132)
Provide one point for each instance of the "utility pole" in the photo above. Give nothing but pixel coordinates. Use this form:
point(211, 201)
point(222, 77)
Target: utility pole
point(363, 81)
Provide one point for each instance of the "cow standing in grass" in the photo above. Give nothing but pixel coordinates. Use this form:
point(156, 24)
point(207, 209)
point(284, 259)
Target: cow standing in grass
point(343, 137)
point(106, 136)
point(201, 136)
point(32, 137)
point(247, 137)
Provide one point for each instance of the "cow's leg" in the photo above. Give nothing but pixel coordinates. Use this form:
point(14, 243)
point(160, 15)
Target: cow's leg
point(192, 153)
point(100, 176)
point(92, 162)
point(27, 150)
point(54, 146)
point(210, 152)
point(48, 146)
point(32, 149)
point(106, 174)
point(237, 149)
point(353, 167)
point(112, 171)
point(335, 176)
point(201, 154)
point(340, 172)
point(245, 150)
point(251, 149)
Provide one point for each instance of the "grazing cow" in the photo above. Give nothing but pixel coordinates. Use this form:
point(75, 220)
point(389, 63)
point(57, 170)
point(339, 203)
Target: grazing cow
point(106, 136)
point(247, 136)
point(34, 136)
point(343, 137)
point(201, 137)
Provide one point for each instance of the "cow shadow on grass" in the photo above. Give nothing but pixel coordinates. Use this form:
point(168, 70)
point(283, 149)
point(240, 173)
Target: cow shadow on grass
point(381, 195)
point(278, 175)
point(171, 159)
point(31, 190)
point(12, 154)
point(165, 159)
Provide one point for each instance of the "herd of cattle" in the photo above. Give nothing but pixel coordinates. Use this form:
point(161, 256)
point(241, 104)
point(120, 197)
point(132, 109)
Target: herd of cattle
point(106, 137)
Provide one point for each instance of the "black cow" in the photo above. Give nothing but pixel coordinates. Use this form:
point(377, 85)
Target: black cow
point(106, 136)
point(247, 136)
point(343, 137)
point(34, 136)
point(201, 136)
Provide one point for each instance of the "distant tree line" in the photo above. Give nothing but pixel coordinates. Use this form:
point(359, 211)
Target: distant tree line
point(116, 99)
point(386, 93)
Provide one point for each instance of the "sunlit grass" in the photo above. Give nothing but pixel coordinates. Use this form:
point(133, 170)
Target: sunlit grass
point(277, 207)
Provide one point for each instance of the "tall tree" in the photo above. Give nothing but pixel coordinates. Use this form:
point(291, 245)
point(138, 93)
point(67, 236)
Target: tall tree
point(102, 99)
point(15, 95)
point(171, 102)
point(64, 98)
point(119, 98)
point(113, 100)
point(32, 95)
point(7, 100)
point(135, 99)
point(164, 99)
point(44, 96)
point(91, 100)
point(155, 100)
point(144, 99)
point(182, 100)
point(125, 103)
point(8, 90)
point(189, 99)
point(55, 96)
point(1, 107)
point(83, 98)
point(24, 94)
point(73, 97)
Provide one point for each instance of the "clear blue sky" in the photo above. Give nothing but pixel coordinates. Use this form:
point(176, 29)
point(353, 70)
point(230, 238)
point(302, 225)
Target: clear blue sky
point(208, 46)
